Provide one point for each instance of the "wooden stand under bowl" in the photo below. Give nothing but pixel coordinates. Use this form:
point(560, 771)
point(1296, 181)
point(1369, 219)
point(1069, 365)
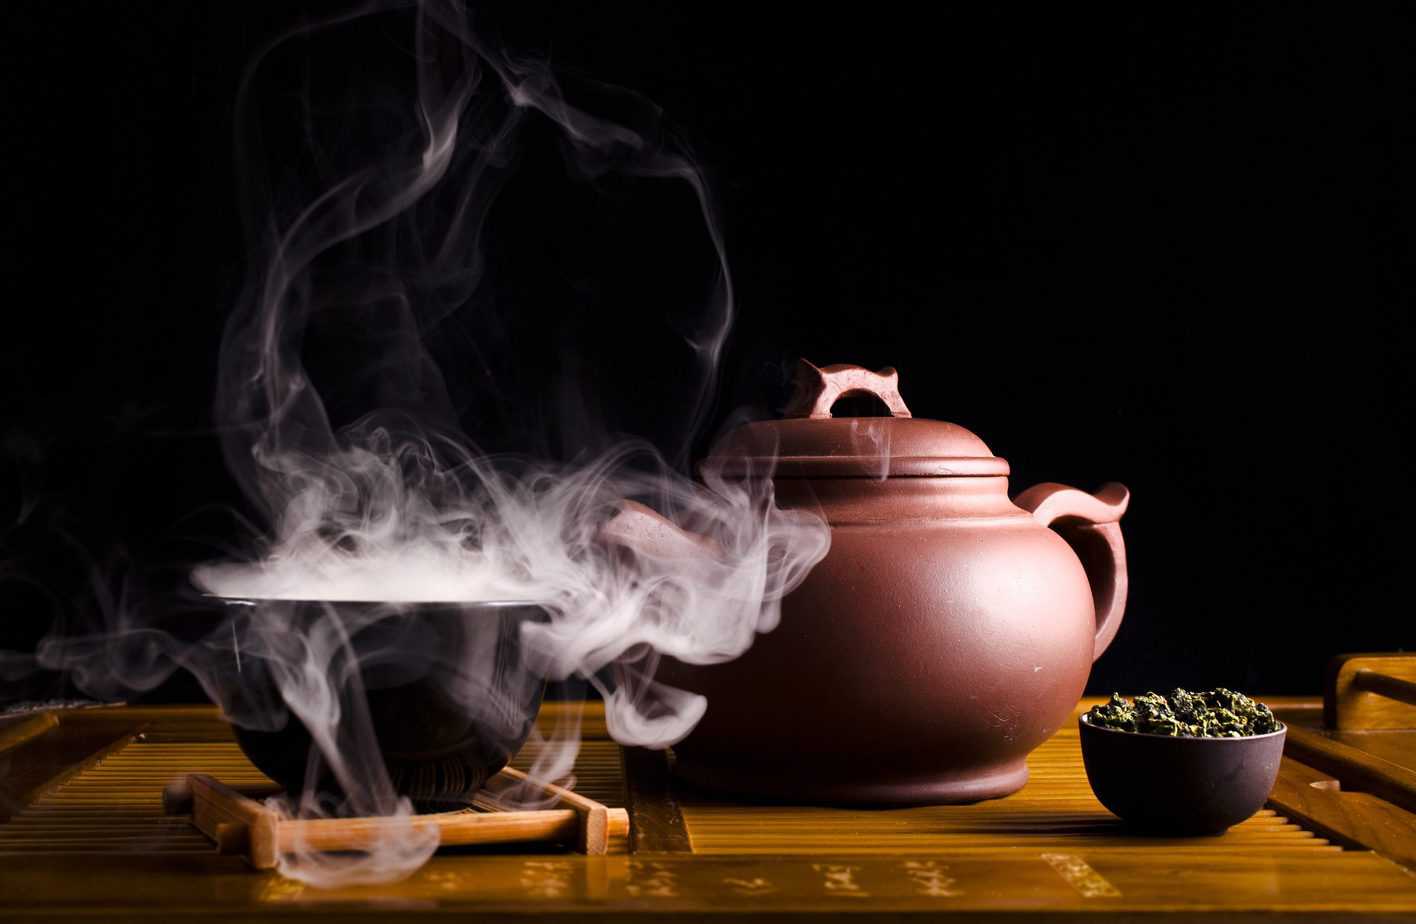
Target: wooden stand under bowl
point(238, 821)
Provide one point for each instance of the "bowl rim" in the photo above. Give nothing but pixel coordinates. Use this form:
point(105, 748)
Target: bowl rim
point(1082, 720)
point(256, 600)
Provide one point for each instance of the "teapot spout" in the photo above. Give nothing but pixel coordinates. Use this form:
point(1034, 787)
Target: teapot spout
point(645, 531)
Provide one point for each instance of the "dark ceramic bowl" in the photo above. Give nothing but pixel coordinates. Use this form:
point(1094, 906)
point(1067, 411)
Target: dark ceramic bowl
point(1167, 785)
point(447, 696)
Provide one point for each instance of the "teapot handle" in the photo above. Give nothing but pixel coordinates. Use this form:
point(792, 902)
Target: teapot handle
point(1091, 526)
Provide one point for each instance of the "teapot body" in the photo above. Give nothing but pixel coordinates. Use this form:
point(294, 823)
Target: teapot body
point(947, 633)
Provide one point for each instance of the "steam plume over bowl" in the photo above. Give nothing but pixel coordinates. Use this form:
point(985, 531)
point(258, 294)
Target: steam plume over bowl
point(533, 535)
point(400, 507)
point(385, 529)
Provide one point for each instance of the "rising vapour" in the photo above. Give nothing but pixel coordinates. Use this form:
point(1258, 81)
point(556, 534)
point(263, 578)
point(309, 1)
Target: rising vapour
point(402, 506)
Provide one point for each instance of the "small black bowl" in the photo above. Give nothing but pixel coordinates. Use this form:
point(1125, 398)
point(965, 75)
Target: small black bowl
point(1187, 786)
point(438, 692)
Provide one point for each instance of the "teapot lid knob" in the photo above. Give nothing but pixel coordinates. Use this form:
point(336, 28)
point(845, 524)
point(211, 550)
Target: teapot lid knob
point(818, 388)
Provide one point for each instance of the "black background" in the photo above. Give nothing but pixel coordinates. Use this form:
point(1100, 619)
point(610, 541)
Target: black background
point(1166, 246)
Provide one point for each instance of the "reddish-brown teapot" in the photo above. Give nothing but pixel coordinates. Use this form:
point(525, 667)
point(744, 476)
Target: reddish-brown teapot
point(948, 632)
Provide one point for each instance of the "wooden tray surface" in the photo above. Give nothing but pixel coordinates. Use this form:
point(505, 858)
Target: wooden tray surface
point(114, 803)
point(88, 837)
point(1055, 811)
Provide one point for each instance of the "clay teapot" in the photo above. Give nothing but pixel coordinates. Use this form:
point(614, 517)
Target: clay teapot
point(948, 632)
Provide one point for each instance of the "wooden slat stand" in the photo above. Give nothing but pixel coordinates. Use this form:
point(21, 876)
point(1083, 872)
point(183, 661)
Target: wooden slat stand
point(1354, 779)
point(239, 823)
point(1368, 739)
point(1369, 692)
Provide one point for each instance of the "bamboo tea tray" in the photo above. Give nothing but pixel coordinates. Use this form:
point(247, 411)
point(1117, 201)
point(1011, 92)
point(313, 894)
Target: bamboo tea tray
point(83, 832)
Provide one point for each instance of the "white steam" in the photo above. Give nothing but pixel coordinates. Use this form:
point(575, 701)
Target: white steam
point(401, 507)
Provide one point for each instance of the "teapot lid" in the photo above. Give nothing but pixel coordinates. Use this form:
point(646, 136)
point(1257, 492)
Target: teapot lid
point(810, 443)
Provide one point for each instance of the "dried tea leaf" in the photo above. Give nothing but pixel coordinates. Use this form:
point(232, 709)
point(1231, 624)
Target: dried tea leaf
point(1116, 714)
point(1153, 716)
point(1218, 713)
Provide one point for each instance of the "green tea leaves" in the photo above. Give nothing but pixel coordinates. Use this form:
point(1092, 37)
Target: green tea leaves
point(1217, 713)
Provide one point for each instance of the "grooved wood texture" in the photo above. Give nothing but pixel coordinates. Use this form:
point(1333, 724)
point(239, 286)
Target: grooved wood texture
point(89, 840)
point(1055, 811)
point(115, 805)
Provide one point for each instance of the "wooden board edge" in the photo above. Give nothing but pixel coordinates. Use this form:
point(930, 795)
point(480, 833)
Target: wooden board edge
point(20, 729)
point(1356, 769)
point(55, 774)
point(1355, 820)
